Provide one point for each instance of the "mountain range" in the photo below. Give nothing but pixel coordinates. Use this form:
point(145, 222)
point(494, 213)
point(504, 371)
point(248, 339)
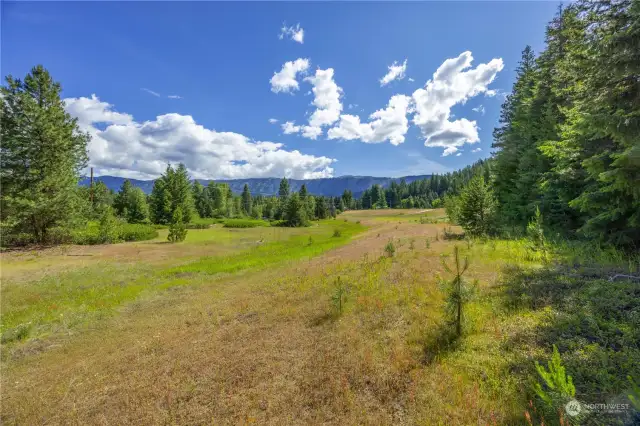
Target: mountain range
point(269, 186)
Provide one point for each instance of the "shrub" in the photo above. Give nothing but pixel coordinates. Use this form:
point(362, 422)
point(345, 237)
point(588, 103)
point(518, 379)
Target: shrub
point(337, 233)
point(109, 231)
point(412, 245)
point(177, 229)
point(198, 226)
point(390, 249)
point(137, 232)
point(427, 243)
point(557, 387)
point(244, 223)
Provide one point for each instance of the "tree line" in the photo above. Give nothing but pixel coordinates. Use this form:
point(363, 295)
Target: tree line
point(568, 143)
point(567, 159)
point(423, 193)
point(44, 152)
point(567, 148)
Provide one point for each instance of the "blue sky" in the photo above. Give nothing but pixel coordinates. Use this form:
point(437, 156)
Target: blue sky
point(219, 58)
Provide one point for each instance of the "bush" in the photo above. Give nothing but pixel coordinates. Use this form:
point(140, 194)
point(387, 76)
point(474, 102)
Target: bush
point(137, 232)
point(244, 223)
point(390, 249)
point(108, 231)
point(337, 233)
point(91, 235)
point(198, 226)
point(177, 229)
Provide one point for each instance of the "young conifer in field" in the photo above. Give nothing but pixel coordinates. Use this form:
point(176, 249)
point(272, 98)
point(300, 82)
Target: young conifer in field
point(556, 387)
point(535, 231)
point(458, 292)
point(339, 296)
point(177, 229)
point(390, 249)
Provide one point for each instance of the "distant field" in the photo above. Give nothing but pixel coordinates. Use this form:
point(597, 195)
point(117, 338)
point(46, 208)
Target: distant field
point(242, 326)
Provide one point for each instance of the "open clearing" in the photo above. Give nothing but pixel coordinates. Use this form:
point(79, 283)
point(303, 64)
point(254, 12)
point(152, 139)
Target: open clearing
point(237, 326)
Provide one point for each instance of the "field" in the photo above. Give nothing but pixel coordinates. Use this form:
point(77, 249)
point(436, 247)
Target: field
point(305, 325)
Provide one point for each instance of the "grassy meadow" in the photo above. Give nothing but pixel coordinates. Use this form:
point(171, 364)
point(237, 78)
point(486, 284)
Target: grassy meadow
point(240, 325)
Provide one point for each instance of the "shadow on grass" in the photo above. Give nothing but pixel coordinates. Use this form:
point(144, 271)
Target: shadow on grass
point(594, 323)
point(438, 342)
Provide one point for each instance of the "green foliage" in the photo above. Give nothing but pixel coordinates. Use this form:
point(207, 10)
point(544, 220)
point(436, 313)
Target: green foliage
point(177, 229)
point(244, 223)
point(452, 207)
point(109, 230)
point(476, 212)
point(634, 396)
point(171, 191)
point(424, 193)
point(457, 292)
point(337, 233)
point(43, 152)
point(131, 204)
point(556, 387)
point(390, 249)
point(568, 139)
point(295, 213)
point(247, 201)
point(339, 296)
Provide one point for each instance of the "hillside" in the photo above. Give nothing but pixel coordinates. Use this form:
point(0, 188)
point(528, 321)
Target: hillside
point(269, 186)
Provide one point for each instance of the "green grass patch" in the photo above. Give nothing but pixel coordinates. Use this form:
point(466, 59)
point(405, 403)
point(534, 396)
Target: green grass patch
point(244, 223)
point(66, 301)
point(262, 255)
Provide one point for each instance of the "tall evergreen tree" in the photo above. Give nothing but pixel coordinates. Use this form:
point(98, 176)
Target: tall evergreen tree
point(42, 154)
point(246, 200)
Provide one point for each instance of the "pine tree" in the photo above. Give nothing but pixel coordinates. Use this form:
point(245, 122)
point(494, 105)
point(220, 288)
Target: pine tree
point(283, 196)
point(247, 202)
point(295, 212)
point(477, 208)
point(160, 202)
point(170, 191)
point(322, 212)
point(137, 207)
point(42, 154)
point(177, 229)
point(121, 202)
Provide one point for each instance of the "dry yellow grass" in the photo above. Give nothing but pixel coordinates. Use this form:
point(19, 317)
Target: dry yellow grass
point(266, 347)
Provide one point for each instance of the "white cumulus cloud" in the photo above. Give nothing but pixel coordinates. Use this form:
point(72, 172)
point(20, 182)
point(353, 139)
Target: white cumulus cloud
point(396, 72)
point(295, 33)
point(121, 146)
point(452, 83)
point(273, 120)
point(389, 124)
point(285, 79)
point(477, 149)
point(327, 96)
